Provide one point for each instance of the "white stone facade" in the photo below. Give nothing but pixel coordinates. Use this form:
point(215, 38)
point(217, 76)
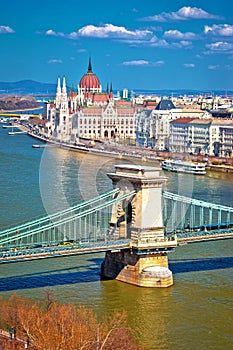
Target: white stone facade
point(197, 136)
point(104, 120)
point(153, 126)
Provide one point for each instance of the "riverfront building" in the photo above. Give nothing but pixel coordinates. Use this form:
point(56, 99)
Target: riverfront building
point(153, 125)
point(204, 136)
point(165, 124)
point(89, 112)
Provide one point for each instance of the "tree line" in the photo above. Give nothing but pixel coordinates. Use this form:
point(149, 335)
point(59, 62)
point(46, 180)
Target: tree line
point(48, 325)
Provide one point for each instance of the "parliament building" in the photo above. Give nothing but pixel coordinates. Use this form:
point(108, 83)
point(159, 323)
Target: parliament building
point(89, 112)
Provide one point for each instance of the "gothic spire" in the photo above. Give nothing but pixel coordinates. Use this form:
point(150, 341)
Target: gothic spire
point(58, 86)
point(89, 66)
point(64, 85)
point(111, 94)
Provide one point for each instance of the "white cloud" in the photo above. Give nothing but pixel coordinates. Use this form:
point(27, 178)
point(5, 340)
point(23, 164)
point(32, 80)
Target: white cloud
point(155, 42)
point(182, 44)
point(52, 33)
point(143, 63)
point(6, 30)
point(110, 30)
point(219, 29)
point(158, 63)
point(213, 67)
point(182, 14)
point(189, 65)
point(155, 28)
point(176, 34)
point(81, 50)
point(217, 66)
point(102, 32)
point(136, 63)
point(52, 61)
point(185, 43)
point(220, 46)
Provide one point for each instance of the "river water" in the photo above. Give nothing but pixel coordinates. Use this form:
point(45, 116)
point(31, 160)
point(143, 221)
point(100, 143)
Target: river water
point(195, 313)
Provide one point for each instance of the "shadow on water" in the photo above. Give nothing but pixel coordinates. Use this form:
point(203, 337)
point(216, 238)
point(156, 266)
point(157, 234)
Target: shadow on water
point(91, 273)
point(70, 275)
point(192, 265)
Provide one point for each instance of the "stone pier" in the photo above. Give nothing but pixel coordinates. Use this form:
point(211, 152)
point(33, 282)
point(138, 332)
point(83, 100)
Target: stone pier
point(140, 219)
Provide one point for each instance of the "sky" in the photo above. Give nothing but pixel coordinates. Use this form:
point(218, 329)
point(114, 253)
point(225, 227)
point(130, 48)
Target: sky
point(149, 44)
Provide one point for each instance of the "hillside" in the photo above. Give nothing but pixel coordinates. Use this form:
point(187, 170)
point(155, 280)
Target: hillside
point(27, 87)
point(17, 103)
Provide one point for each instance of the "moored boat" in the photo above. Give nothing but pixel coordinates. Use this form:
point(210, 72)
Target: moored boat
point(4, 120)
point(183, 167)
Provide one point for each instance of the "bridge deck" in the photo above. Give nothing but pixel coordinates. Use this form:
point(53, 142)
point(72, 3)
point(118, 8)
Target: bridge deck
point(45, 252)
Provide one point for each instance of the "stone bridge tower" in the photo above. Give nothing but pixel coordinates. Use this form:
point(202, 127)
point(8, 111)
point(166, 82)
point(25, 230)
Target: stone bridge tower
point(140, 219)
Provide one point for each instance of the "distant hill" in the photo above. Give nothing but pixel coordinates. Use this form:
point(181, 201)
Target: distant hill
point(31, 87)
point(27, 87)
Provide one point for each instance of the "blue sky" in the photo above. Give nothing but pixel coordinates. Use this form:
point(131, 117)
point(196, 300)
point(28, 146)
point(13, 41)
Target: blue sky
point(145, 44)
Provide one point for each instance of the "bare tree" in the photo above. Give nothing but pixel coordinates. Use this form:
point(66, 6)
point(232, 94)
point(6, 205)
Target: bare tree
point(62, 327)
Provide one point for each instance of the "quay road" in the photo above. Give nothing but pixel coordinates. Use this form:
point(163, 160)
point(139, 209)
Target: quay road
point(121, 150)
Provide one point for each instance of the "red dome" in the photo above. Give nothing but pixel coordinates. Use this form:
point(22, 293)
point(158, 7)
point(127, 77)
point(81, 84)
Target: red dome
point(89, 80)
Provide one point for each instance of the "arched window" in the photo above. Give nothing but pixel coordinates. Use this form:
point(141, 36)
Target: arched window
point(85, 121)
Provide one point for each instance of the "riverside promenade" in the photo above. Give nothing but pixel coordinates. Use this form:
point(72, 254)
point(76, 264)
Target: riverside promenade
point(126, 151)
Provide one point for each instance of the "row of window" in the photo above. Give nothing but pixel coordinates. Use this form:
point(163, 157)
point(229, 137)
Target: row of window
point(112, 122)
point(95, 132)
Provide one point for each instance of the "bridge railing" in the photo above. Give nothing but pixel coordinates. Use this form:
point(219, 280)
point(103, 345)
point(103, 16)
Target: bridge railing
point(56, 217)
point(89, 222)
point(184, 213)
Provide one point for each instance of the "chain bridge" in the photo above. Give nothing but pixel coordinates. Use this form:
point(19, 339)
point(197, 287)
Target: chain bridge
point(135, 221)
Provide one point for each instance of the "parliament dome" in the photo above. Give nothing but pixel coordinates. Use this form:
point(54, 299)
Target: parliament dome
point(90, 81)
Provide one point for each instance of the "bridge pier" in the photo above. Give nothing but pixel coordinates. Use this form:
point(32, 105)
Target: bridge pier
point(140, 219)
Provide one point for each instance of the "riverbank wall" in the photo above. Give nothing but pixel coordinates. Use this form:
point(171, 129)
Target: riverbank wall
point(128, 152)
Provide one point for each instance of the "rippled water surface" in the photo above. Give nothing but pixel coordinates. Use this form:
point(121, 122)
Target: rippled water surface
point(195, 313)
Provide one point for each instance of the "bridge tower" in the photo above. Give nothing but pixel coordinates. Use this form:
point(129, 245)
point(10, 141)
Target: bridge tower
point(140, 219)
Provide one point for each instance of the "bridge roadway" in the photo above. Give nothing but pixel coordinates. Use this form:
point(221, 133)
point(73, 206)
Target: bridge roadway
point(69, 249)
point(45, 252)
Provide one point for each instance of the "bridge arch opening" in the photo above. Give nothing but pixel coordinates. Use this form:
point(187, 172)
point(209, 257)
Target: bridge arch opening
point(129, 211)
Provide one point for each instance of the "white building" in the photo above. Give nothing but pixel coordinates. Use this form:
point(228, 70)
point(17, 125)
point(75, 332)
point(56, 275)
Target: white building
point(202, 136)
point(153, 126)
point(89, 113)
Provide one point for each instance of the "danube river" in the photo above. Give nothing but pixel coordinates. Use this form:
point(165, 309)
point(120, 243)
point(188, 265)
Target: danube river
point(195, 313)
